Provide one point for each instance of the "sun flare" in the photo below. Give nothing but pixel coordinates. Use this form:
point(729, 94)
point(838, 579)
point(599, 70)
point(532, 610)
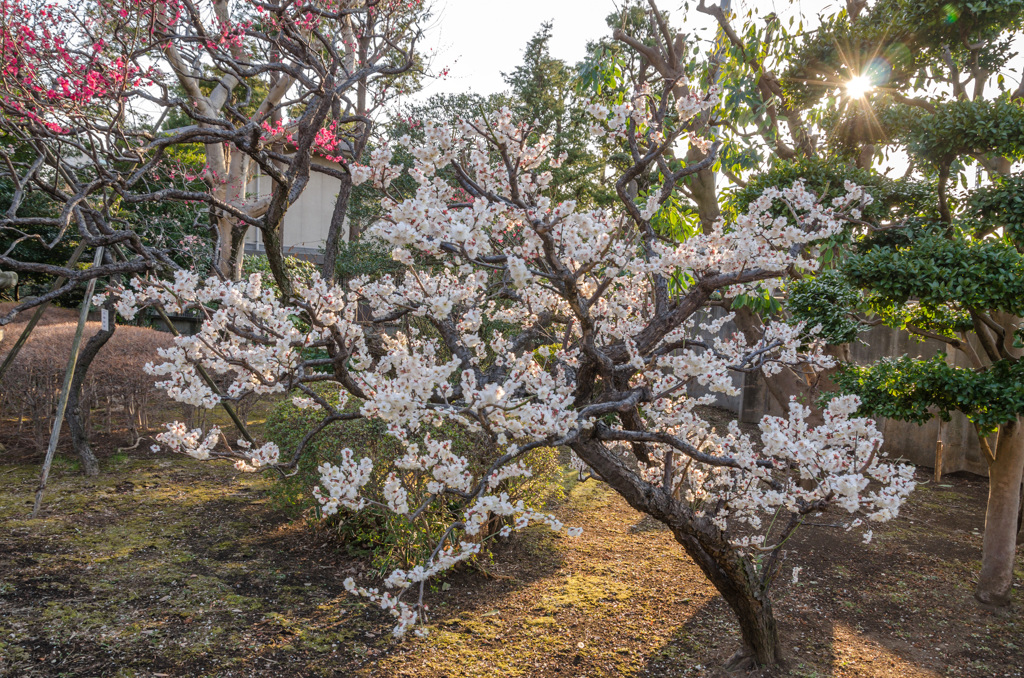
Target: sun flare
point(859, 86)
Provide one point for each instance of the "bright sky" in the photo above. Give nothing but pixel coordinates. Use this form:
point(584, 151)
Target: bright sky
point(477, 40)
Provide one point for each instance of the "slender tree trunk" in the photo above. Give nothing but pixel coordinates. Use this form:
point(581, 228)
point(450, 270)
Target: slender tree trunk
point(702, 185)
point(222, 253)
point(78, 419)
point(238, 232)
point(273, 244)
point(230, 247)
point(999, 547)
point(80, 433)
point(328, 269)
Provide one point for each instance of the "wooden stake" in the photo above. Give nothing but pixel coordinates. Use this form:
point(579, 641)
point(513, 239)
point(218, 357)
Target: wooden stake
point(938, 461)
point(62, 404)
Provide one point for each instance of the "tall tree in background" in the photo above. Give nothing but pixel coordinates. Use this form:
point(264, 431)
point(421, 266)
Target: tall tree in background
point(547, 91)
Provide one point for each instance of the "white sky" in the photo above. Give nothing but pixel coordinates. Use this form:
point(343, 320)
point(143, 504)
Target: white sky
point(477, 40)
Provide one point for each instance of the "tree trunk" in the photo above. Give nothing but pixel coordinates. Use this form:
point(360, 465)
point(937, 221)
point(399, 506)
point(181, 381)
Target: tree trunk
point(729, 572)
point(328, 269)
point(999, 547)
point(1020, 512)
point(79, 431)
point(736, 580)
point(230, 252)
point(273, 244)
point(77, 420)
point(702, 185)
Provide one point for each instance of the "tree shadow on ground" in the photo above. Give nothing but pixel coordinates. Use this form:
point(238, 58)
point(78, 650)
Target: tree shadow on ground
point(900, 606)
point(180, 568)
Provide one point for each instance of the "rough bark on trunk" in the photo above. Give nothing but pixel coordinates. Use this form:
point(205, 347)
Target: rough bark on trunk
point(80, 434)
point(274, 247)
point(734, 578)
point(999, 546)
point(727, 570)
point(328, 269)
point(1020, 513)
point(77, 420)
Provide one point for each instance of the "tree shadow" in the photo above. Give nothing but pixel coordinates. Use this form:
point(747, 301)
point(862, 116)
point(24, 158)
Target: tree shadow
point(184, 569)
point(901, 605)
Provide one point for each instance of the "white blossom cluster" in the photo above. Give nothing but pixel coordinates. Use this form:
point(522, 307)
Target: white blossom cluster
point(795, 468)
point(581, 287)
point(178, 438)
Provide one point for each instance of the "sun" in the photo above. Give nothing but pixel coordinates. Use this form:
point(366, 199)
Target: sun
point(859, 86)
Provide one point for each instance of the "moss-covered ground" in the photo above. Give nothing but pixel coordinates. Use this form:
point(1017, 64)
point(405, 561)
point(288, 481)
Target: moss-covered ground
point(163, 566)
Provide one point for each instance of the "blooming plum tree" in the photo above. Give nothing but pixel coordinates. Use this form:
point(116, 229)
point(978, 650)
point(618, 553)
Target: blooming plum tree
point(837, 99)
point(604, 350)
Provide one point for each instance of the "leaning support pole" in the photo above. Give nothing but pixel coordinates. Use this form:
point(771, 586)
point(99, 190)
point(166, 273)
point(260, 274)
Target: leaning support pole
point(202, 371)
point(211, 383)
point(65, 391)
point(38, 314)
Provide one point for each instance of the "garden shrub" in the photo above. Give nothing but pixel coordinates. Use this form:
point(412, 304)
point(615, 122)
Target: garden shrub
point(299, 269)
point(366, 256)
point(388, 539)
point(53, 315)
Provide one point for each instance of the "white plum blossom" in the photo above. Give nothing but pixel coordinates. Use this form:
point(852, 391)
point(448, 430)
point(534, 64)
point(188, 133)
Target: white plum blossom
point(267, 454)
point(607, 348)
point(652, 206)
point(191, 442)
point(343, 482)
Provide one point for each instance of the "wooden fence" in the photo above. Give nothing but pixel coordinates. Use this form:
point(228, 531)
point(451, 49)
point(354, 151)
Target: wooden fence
point(960, 450)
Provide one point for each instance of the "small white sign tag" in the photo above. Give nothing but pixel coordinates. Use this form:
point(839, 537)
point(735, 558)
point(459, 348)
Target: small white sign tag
point(105, 319)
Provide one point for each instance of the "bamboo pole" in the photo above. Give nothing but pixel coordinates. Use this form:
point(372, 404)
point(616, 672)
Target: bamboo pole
point(212, 384)
point(66, 389)
point(38, 314)
point(202, 371)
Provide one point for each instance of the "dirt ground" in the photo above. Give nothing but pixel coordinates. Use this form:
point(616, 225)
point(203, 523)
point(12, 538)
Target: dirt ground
point(163, 566)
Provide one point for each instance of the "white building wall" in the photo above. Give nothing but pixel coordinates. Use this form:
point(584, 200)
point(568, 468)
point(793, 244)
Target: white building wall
point(307, 221)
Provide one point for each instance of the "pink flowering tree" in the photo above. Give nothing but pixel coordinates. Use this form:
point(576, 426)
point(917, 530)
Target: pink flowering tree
point(105, 108)
point(604, 352)
point(62, 95)
point(119, 118)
